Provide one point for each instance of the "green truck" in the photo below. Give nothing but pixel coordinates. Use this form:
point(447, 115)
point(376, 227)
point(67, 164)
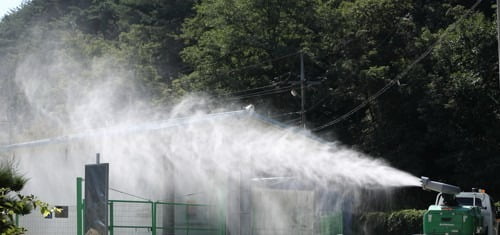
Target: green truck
point(459, 213)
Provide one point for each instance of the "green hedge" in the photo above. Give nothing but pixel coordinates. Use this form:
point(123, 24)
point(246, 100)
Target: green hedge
point(390, 223)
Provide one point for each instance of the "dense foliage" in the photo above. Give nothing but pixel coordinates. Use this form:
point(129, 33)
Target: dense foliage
point(390, 223)
point(439, 115)
point(12, 202)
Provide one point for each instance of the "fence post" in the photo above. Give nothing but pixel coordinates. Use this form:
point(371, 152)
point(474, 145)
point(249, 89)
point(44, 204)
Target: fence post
point(222, 219)
point(111, 219)
point(79, 206)
point(153, 219)
point(187, 219)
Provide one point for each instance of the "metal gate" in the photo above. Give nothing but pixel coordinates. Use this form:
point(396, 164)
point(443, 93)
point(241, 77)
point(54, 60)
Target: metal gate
point(170, 218)
point(154, 217)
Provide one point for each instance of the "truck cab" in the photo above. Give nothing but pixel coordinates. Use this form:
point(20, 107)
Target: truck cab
point(481, 200)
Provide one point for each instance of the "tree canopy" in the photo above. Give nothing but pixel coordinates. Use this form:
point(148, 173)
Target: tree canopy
point(413, 82)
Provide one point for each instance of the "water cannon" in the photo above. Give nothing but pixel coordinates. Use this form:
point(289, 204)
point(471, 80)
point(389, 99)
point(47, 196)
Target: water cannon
point(456, 212)
point(439, 187)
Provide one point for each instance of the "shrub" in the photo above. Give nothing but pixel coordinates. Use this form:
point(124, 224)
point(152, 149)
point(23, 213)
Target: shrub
point(390, 223)
point(12, 202)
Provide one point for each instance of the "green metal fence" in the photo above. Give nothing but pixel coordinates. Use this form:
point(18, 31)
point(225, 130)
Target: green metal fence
point(50, 225)
point(188, 218)
point(152, 218)
point(127, 217)
point(146, 217)
point(332, 224)
point(169, 218)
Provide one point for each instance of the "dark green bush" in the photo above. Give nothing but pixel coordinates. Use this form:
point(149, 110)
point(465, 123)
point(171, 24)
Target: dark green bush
point(390, 223)
point(405, 221)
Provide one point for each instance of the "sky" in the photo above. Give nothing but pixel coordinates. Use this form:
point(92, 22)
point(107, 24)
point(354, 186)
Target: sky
point(6, 5)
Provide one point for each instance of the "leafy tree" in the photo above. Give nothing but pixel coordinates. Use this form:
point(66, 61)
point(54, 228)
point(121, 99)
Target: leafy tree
point(440, 118)
point(462, 98)
point(240, 44)
point(12, 202)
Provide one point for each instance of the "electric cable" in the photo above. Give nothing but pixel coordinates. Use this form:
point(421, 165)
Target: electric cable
point(264, 93)
point(399, 76)
point(284, 114)
point(251, 89)
point(261, 63)
point(256, 88)
point(317, 103)
point(268, 92)
point(128, 194)
point(294, 121)
point(255, 65)
point(298, 112)
point(251, 65)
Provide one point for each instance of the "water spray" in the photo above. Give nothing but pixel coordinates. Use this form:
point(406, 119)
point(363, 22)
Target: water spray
point(121, 130)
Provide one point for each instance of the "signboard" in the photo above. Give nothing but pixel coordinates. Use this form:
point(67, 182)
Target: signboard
point(96, 199)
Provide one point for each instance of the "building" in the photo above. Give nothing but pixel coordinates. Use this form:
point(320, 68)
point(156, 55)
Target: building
point(228, 173)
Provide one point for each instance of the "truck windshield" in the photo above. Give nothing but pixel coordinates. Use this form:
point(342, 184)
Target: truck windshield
point(467, 201)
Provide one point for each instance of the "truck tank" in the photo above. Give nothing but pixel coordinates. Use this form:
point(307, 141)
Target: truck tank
point(456, 213)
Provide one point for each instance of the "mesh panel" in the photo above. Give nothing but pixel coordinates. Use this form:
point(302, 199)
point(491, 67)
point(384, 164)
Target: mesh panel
point(135, 217)
point(132, 231)
point(192, 219)
point(37, 224)
point(132, 214)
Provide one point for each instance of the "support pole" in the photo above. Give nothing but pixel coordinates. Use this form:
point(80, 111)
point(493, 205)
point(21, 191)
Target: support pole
point(79, 207)
point(153, 218)
point(498, 39)
point(112, 219)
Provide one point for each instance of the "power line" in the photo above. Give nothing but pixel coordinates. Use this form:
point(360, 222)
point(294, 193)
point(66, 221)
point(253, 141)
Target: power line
point(273, 91)
point(401, 75)
point(248, 66)
point(252, 66)
point(285, 114)
point(251, 89)
point(261, 63)
point(298, 112)
point(190, 69)
point(317, 103)
point(274, 84)
point(357, 108)
point(293, 121)
point(263, 93)
point(128, 194)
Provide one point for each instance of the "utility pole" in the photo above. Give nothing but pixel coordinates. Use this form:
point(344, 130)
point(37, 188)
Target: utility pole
point(302, 91)
point(304, 84)
point(498, 40)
